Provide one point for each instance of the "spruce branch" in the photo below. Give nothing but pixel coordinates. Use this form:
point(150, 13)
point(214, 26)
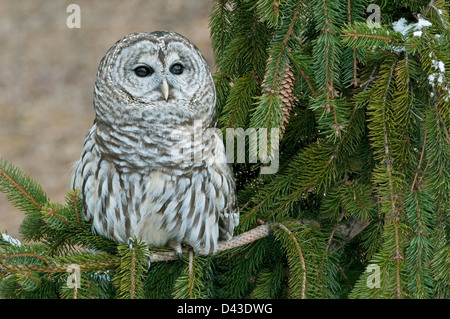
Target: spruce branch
point(73, 199)
point(330, 239)
point(21, 190)
point(355, 60)
point(273, 107)
point(392, 193)
point(4, 257)
point(438, 12)
point(347, 232)
point(133, 274)
point(327, 52)
point(52, 211)
point(15, 185)
point(132, 267)
point(191, 274)
point(355, 35)
point(284, 44)
point(350, 137)
point(304, 74)
point(413, 185)
point(300, 256)
point(55, 265)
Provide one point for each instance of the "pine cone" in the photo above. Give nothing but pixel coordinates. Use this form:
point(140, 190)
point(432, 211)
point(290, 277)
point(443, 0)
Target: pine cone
point(285, 92)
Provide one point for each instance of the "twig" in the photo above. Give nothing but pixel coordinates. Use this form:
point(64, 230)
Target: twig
point(4, 257)
point(357, 35)
point(53, 213)
point(237, 241)
point(18, 187)
point(388, 162)
point(75, 207)
point(439, 14)
point(300, 254)
point(191, 274)
point(133, 274)
point(420, 162)
point(330, 239)
point(349, 230)
point(355, 61)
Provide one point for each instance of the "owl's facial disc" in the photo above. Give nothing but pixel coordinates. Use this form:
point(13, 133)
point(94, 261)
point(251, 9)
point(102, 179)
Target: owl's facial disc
point(154, 72)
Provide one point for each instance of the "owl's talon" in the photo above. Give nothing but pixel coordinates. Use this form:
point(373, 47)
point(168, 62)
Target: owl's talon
point(180, 256)
point(130, 242)
point(149, 263)
point(197, 252)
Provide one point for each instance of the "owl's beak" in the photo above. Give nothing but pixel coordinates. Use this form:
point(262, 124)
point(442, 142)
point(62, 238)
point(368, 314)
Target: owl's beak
point(165, 89)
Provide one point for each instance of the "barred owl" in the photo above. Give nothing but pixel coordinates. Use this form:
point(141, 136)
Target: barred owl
point(148, 86)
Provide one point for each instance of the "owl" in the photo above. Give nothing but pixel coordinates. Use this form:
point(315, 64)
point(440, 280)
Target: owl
point(148, 86)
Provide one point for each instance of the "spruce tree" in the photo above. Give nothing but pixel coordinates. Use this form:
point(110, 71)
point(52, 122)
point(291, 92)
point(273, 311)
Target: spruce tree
point(359, 206)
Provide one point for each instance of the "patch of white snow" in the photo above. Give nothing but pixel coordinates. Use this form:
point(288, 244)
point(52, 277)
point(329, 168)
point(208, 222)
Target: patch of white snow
point(11, 240)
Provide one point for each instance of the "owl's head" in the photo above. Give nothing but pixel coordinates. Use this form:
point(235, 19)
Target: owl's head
point(158, 75)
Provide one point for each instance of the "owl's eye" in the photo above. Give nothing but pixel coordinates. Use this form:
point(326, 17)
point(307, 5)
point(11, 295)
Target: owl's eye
point(143, 71)
point(176, 69)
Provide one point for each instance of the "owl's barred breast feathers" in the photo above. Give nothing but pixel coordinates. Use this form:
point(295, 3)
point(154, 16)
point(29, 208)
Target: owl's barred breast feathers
point(150, 85)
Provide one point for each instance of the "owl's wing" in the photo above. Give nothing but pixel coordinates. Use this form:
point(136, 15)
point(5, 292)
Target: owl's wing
point(85, 169)
point(229, 217)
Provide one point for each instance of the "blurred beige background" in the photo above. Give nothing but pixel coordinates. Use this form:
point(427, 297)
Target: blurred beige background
point(47, 72)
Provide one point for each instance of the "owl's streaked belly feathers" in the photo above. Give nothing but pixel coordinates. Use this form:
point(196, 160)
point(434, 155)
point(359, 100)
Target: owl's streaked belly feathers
point(192, 203)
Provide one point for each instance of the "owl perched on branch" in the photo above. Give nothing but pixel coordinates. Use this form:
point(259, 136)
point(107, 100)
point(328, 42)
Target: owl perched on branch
point(132, 178)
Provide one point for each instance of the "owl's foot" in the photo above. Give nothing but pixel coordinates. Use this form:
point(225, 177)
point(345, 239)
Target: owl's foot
point(180, 253)
point(177, 247)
